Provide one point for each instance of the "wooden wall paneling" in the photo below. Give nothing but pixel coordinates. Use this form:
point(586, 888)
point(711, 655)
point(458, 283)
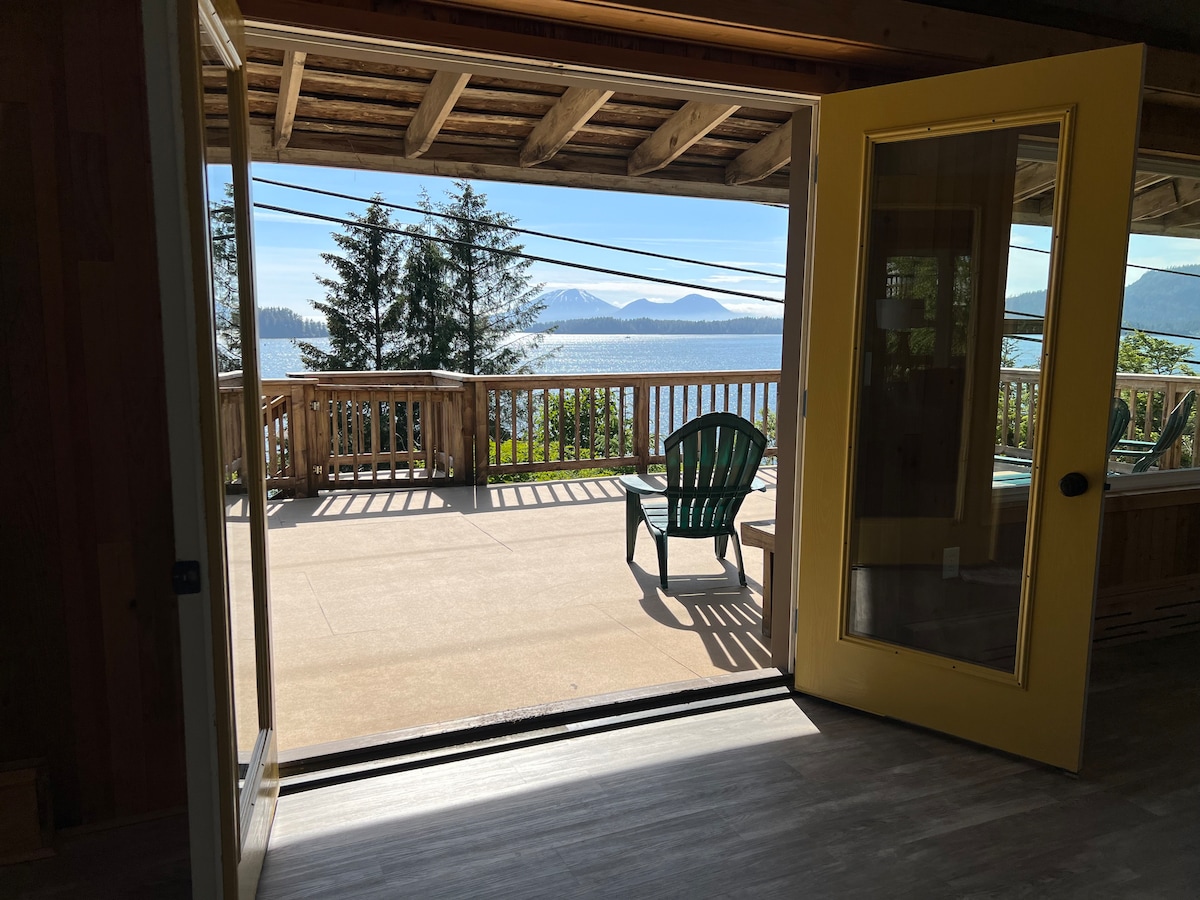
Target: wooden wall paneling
point(1149, 578)
point(33, 547)
point(96, 686)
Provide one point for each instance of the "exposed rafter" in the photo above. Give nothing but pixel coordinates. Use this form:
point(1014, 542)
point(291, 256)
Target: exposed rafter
point(1165, 198)
point(439, 100)
point(1032, 179)
point(676, 135)
point(765, 158)
point(289, 95)
point(559, 125)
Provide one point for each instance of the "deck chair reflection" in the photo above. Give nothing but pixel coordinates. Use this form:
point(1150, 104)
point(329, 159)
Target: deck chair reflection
point(711, 464)
point(1147, 453)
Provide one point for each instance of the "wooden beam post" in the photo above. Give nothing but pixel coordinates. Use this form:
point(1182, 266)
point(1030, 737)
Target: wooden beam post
point(765, 158)
point(558, 126)
point(441, 95)
point(672, 139)
point(289, 96)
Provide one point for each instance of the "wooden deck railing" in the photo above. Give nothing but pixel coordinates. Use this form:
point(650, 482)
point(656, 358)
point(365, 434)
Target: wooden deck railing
point(1150, 397)
point(564, 423)
point(408, 429)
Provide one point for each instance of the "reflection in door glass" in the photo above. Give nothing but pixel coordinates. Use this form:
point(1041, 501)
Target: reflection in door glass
point(946, 420)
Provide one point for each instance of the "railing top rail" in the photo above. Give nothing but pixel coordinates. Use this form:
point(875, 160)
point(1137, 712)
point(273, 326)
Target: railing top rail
point(1122, 377)
point(730, 376)
point(406, 388)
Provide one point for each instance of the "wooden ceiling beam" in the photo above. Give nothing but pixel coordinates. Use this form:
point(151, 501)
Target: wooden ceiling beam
point(765, 158)
point(1033, 179)
point(1156, 201)
point(672, 139)
point(560, 124)
point(289, 96)
point(439, 100)
point(1168, 198)
point(497, 164)
point(1145, 180)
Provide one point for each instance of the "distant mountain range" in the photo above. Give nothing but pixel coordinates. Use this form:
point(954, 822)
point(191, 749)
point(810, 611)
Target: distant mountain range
point(572, 303)
point(1158, 301)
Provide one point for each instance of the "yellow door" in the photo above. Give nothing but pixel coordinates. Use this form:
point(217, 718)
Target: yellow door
point(944, 579)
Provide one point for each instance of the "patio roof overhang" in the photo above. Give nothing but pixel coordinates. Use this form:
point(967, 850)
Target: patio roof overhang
point(504, 90)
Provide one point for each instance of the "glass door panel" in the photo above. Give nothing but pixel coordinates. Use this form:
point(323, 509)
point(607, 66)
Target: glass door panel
point(242, 644)
point(940, 510)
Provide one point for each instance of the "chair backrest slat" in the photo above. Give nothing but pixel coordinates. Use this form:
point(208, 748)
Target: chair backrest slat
point(1172, 429)
point(711, 462)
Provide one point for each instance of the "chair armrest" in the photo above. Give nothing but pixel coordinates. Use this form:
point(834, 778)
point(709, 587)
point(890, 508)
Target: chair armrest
point(635, 485)
point(757, 485)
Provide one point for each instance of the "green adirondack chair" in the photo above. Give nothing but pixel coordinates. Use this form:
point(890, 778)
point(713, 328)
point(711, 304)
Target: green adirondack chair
point(1172, 429)
point(1118, 422)
point(711, 464)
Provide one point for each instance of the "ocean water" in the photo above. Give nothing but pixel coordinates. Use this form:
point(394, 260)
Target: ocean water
point(582, 354)
point(579, 354)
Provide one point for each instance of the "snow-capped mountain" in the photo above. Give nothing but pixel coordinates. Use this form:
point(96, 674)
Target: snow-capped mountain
point(572, 303)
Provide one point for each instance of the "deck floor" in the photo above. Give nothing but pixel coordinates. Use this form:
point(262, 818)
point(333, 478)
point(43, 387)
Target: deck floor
point(397, 609)
point(788, 798)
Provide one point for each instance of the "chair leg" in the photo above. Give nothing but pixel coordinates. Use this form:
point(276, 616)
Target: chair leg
point(660, 541)
point(633, 518)
point(737, 551)
point(722, 543)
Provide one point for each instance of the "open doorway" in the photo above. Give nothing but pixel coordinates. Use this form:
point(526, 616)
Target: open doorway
point(404, 607)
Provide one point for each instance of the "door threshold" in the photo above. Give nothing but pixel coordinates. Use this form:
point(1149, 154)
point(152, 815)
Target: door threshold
point(337, 762)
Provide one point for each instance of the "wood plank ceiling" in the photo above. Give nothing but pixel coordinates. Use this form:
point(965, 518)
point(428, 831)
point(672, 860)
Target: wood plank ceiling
point(368, 114)
point(331, 111)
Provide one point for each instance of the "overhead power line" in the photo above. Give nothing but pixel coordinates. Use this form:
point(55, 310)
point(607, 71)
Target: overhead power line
point(1128, 265)
point(515, 229)
point(515, 253)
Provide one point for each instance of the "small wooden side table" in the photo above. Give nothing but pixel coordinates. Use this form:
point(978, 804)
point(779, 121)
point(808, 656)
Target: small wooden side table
point(762, 534)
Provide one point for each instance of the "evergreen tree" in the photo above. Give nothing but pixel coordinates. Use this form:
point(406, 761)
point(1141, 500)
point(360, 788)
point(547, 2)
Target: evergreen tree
point(433, 331)
point(225, 284)
point(489, 288)
point(363, 305)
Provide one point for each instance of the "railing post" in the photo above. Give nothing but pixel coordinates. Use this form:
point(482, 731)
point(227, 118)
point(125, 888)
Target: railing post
point(480, 430)
point(297, 439)
point(641, 424)
point(464, 460)
point(318, 439)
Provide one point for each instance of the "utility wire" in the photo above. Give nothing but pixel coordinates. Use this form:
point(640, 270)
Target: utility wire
point(1128, 265)
point(514, 228)
point(440, 240)
point(1174, 334)
point(581, 241)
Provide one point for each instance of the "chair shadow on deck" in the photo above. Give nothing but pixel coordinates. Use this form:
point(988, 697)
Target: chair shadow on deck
point(725, 617)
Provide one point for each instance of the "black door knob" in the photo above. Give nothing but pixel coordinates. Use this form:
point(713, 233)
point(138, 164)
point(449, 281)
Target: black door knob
point(1073, 484)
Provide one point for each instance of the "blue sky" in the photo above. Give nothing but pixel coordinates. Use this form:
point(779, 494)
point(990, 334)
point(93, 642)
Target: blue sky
point(743, 234)
point(749, 235)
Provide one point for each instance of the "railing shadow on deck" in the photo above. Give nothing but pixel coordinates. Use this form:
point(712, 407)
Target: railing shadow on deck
point(460, 499)
point(724, 615)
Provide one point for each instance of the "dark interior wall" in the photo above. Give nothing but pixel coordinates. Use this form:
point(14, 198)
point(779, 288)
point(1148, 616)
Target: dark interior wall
point(89, 649)
point(1174, 24)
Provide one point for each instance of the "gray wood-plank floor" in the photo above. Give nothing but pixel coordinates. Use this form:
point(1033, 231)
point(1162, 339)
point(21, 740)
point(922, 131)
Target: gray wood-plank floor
point(791, 798)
